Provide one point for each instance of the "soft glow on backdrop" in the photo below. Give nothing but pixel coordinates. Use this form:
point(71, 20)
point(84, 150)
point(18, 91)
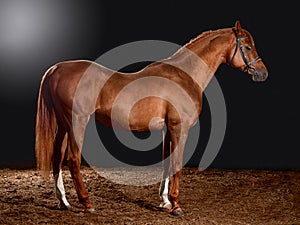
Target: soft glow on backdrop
point(36, 34)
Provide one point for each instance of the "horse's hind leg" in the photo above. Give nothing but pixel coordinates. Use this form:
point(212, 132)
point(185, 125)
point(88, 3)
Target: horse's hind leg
point(60, 145)
point(74, 161)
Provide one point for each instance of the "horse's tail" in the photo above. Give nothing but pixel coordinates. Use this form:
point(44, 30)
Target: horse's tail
point(45, 126)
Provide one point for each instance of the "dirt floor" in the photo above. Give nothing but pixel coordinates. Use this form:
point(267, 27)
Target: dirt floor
point(207, 197)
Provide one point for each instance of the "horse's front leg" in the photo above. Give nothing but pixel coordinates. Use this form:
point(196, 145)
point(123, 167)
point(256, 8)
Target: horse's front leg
point(164, 185)
point(178, 140)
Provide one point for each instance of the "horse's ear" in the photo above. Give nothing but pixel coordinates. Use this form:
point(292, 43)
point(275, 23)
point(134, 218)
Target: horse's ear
point(237, 27)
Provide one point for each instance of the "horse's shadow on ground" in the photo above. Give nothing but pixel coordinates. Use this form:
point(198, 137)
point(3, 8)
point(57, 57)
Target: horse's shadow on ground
point(118, 196)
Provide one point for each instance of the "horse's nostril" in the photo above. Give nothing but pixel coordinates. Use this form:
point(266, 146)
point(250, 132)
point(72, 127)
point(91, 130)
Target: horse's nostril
point(260, 76)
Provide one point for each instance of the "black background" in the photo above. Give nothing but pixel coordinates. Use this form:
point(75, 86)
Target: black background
point(262, 118)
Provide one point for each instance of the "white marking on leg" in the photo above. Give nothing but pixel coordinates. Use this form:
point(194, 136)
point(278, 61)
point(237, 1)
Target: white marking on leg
point(163, 193)
point(60, 190)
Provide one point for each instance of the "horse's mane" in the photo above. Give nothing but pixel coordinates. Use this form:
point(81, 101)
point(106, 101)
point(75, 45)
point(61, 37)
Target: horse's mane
point(200, 37)
point(204, 35)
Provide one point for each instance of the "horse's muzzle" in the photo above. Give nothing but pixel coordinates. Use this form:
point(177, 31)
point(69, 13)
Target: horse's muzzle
point(259, 76)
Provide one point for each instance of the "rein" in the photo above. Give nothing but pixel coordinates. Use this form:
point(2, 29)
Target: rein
point(239, 46)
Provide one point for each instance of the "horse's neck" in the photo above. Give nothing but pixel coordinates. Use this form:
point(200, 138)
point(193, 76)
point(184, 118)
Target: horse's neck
point(201, 58)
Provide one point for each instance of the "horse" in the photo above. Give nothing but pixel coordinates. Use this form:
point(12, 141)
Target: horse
point(61, 121)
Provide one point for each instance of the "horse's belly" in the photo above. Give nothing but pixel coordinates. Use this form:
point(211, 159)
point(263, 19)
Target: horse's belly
point(138, 121)
point(144, 115)
point(148, 114)
point(156, 123)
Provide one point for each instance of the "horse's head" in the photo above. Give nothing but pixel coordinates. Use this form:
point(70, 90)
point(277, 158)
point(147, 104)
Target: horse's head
point(243, 55)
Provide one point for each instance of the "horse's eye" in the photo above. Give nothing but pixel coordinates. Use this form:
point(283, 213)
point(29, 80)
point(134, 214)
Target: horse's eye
point(248, 48)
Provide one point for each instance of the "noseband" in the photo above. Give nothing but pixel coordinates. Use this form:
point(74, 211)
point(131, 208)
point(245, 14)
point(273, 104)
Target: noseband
point(239, 46)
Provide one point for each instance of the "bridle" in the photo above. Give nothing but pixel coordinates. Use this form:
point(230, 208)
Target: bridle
point(248, 65)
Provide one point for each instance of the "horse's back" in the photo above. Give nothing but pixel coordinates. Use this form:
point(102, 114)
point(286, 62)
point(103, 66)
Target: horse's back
point(76, 82)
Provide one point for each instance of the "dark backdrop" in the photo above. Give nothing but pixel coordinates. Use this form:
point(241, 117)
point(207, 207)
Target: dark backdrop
point(262, 119)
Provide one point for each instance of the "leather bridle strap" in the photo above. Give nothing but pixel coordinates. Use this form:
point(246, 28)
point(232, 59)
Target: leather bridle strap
point(240, 47)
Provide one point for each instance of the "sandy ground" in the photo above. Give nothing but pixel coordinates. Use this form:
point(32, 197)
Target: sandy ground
point(210, 197)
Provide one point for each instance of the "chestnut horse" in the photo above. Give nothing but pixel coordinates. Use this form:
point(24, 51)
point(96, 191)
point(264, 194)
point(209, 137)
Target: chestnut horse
point(61, 122)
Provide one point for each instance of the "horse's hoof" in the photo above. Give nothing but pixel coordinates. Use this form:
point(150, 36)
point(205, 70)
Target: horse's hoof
point(177, 212)
point(166, 206)
point(62, 206)
point(92, 210)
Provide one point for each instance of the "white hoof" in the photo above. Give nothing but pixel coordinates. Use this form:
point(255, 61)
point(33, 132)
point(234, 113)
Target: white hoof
point(63, 206)
point(167, 206)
